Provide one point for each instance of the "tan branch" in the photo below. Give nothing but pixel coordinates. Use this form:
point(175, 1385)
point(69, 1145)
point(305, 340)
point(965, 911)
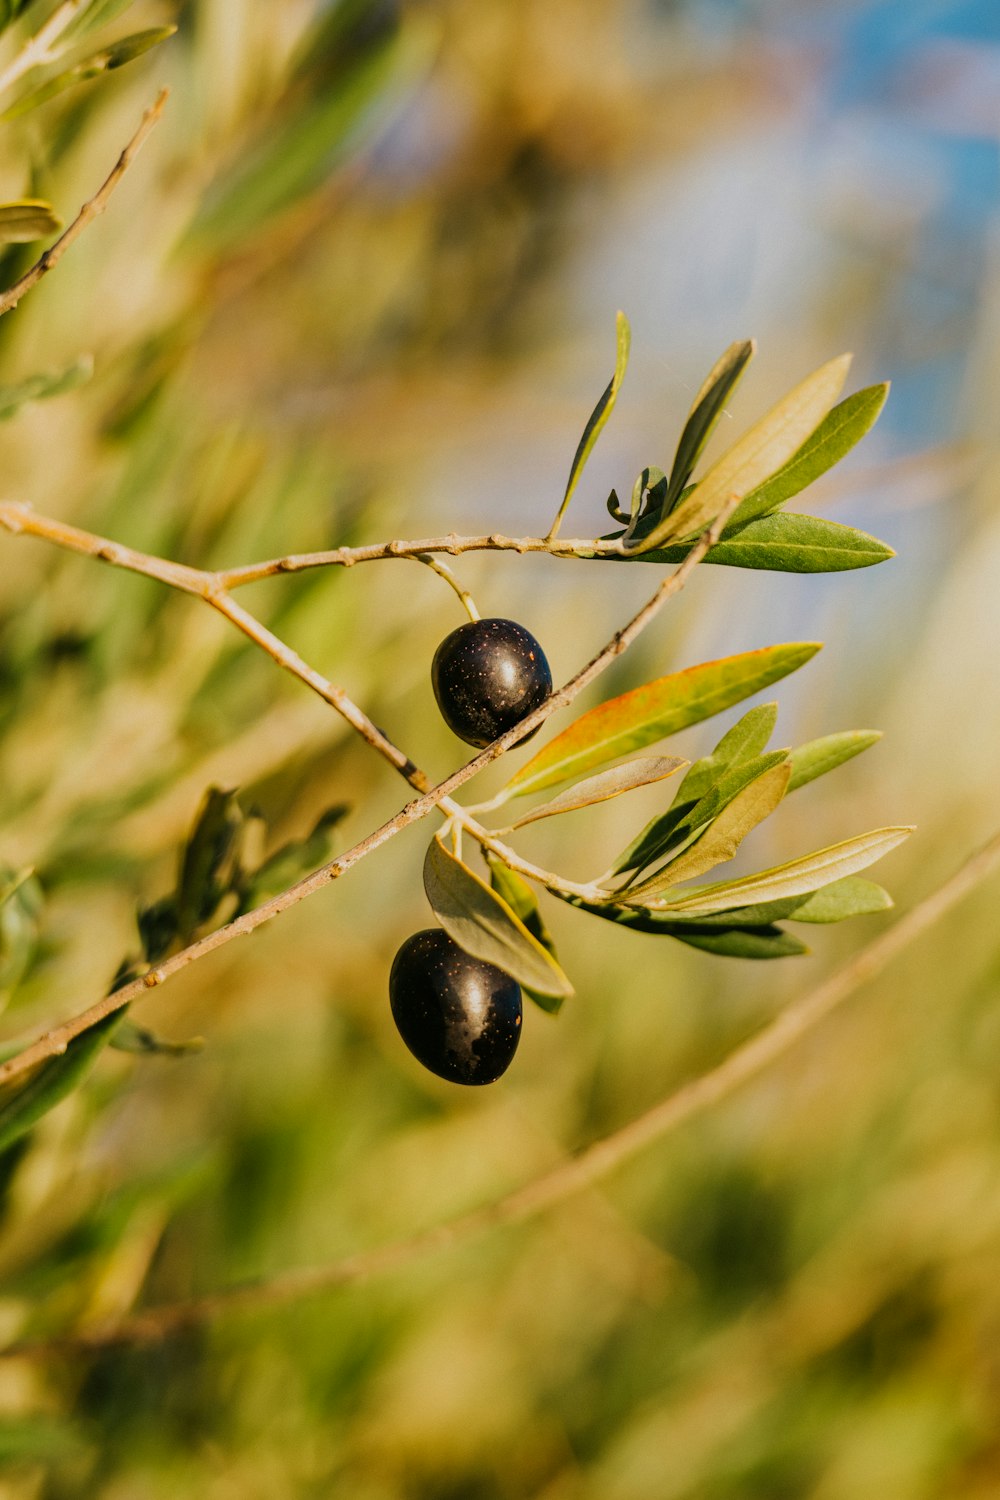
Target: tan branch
point(452, 544)
point(88, 213)
point(590, 1166)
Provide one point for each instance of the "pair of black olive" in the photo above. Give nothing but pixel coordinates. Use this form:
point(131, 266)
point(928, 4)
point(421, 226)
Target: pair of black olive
point(460, 1016)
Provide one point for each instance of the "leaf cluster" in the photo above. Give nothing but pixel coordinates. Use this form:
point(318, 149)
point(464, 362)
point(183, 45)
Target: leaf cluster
point(218, 878)
point(802, 437)
point(720, 800)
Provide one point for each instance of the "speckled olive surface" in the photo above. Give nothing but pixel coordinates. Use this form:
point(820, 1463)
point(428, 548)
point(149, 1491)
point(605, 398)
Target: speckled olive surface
point(487, 675)
point(459, 1016)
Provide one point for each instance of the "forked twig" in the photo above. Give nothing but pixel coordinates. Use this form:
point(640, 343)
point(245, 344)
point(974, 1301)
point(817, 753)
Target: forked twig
point(590, 1166)
point(21, 520)
point(88, 213)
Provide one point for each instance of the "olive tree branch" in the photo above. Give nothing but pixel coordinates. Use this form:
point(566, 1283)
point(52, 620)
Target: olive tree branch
point(452, 544)
point(22, 520)
point(575, 1174)
point(88, 213)
point(39, 49)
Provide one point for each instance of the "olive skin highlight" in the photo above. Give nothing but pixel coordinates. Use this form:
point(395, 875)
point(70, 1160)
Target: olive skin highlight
point(459, 1016)
point(487, 676)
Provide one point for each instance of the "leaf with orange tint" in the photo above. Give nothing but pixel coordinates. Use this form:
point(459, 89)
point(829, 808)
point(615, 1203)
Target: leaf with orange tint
point(650, 713)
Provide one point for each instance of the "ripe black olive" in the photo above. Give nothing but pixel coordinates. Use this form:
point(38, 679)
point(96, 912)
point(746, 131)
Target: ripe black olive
point(459, 1016)
point(487, 676)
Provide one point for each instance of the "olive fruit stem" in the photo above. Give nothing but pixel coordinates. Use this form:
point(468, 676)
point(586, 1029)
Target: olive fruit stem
point(443, 571)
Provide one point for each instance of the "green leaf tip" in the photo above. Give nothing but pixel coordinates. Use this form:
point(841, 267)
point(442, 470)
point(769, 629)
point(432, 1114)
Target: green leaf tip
point(762, 450)
point(598, 417)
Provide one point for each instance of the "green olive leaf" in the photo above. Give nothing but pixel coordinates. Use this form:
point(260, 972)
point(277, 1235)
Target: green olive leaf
point(820, 756)
point(723, 835)
point(42, 387)
point(741, 942)
point(482, 923)
point(27, 219)
point(686, 820)
point(116, 55)
point(142, 1042)
point(762, 450)
point(836, 435)
point(705, 411)
point(850, 897)
point(599, 416)
point(23, 1102)
point(524, 904)
point(779, 543)
point(798, 876)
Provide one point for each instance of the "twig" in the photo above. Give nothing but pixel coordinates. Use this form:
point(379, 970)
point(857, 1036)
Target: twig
point(88, 213)
point(38, 49)
point(452, 544)
point(443, 571)
point(22, 520)
point(572, 1176)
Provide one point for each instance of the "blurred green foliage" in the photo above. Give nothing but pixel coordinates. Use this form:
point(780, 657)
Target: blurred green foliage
point(341, 256)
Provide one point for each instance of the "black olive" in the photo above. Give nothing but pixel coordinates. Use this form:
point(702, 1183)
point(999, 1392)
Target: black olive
point(459, 1016)
point(487, 676)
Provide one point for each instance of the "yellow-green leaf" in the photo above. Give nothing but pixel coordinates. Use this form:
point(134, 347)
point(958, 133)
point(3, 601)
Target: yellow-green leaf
point(768, 445)
point(809, 873)
point(27, 219)
point(599, 415)
point(705, 411)
point(524, 904)
point(724, 834)
point(483, 924)
point(643, 771)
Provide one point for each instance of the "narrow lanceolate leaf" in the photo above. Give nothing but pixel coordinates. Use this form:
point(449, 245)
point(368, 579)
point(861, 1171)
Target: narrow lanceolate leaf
point(642, 771)
point(705, 412)
point(742, 942)
point(27, 219)
point(114, 56)
point(650, 713)
point(724, 834)
point(743, 742)
point(835, 436)
point(22, 1104)
point(599, 415)
point(41, 387)
point(484, 925)
point(782, 543)
point(852, 897)
point(686, 819)
point(809, 873)
point(771, 941)
point(822, 755)
point(768, 445)
point(524, 904)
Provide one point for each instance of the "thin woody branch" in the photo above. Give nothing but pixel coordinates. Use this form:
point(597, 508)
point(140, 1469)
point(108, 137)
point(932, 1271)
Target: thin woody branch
point(88, 213)
point(572, 1176)
point(452, 545)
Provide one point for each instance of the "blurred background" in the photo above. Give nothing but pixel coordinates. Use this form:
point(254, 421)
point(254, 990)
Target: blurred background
point(362, 283)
